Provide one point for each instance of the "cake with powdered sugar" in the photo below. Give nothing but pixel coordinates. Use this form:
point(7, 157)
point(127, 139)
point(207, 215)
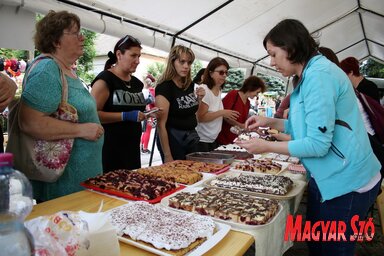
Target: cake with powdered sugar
point(160, 227)
point(268, 184)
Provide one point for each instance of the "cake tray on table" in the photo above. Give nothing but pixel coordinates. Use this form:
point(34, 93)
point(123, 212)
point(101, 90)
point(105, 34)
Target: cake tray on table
point(250, 164)
point(211, 157)
point(297, 187)
point(131, 197)
point(236, 225)
point(198, 166)
point(221, 230)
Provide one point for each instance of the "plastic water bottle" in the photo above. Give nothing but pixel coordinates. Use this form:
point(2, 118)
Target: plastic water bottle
point(15, 204)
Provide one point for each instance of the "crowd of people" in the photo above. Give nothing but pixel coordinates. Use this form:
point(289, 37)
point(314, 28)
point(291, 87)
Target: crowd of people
point(324, 124)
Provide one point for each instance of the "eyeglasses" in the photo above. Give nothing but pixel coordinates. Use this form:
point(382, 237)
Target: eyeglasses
point(78, 34)
point(130, 38)
point(221, 72)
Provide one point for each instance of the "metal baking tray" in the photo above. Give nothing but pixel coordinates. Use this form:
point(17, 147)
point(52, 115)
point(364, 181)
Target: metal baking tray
point(210, 157)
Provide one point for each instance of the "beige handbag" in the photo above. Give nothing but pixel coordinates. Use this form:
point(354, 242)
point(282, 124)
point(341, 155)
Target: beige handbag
point(40, 159)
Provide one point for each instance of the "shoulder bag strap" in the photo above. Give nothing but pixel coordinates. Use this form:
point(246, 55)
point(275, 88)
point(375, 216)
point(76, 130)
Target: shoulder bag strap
point(64, 84)
point(64, 87)
point(366, 104)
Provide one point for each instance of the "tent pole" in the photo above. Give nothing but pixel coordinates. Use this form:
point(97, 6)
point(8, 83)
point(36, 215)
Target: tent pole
point(153, 147)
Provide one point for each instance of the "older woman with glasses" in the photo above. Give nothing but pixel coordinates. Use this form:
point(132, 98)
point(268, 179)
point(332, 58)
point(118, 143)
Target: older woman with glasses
point(211, 111)
point(120, 105)
point(176, 97)
point(61, 43)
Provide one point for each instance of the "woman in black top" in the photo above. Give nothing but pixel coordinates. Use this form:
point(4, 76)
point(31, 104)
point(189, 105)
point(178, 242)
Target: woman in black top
point(120, 104)
point(176, 97)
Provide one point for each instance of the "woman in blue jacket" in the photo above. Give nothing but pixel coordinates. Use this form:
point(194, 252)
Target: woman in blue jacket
point(327, 131)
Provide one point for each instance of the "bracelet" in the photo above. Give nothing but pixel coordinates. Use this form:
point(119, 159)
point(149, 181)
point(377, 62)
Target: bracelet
point(132, 116)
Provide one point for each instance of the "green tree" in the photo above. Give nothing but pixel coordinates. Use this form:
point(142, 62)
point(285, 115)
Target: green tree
point(156, 69)
point(372, 68)
point(234, 79)
point(196, 66)
point(10, 53)
point(85, 62)
point(274, 84)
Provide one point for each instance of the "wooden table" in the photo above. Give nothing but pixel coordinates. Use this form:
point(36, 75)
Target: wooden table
point(234, 243)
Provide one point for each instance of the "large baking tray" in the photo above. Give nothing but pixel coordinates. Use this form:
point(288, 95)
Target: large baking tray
point(210, 157)
point(237, 226)
point(284, 167)
point(297, 187)
point(182, 163)
point(130, 197)
point(221, 231)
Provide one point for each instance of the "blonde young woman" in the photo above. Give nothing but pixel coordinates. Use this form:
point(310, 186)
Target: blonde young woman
point(120, 105)
point(176, 97)
point(211, 111)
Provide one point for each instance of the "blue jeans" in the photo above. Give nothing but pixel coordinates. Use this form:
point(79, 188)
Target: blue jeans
point(341, 208)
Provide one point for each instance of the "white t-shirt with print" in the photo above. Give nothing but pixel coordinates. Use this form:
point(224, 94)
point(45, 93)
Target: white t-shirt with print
point(208, 131)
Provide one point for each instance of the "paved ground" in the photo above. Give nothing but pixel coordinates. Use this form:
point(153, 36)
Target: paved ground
point(156, 159)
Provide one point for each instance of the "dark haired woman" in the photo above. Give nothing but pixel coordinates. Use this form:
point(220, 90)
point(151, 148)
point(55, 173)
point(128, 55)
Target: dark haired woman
point(120, 104)
point(238, 100)
point(211, 111)
point(328, 135)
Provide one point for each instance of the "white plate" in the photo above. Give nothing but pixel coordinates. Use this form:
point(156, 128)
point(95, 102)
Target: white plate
point(221, 231)
point(238, 226)
point(298, 186)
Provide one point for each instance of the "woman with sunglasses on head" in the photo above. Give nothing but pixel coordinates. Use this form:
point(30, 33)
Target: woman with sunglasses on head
point(211, 111)
point(176, 97)
point(120, 104)
point(328, 135)
point(61, 43)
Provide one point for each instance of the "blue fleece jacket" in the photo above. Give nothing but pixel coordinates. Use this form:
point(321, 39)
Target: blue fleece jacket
point(336, 153)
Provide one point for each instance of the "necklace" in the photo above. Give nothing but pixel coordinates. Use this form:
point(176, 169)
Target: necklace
point(127, 84)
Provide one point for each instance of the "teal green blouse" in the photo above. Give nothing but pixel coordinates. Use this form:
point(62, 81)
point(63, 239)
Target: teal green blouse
point(42, 92)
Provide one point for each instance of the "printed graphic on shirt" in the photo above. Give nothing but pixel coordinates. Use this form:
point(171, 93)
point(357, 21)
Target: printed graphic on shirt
point(124, 98)
point(187, 101)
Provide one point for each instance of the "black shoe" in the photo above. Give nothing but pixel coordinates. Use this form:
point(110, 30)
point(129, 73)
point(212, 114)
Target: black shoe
point(145, 151)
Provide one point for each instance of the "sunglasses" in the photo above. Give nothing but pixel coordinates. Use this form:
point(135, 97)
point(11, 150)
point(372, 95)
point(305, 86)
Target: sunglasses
point(221, 72)
point(130, 38)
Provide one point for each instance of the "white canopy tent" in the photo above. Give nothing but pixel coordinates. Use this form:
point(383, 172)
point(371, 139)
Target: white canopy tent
point(232, 29)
